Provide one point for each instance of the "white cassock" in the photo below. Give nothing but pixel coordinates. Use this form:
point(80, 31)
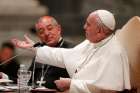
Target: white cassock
point(100, 66)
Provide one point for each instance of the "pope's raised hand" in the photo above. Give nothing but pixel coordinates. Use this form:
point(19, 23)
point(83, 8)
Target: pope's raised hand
point(27, 43)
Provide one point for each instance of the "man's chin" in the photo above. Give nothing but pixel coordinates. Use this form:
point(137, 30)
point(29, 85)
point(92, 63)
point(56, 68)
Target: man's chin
point(51, 44)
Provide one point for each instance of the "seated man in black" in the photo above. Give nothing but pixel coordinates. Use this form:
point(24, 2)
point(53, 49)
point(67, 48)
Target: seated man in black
point(8, 68)
point(49, 33)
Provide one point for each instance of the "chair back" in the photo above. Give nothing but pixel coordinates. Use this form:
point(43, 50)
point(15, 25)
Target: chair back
point(129, 37)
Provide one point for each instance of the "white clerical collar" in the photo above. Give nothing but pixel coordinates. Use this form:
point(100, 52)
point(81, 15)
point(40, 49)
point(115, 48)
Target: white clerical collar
point(60, 39)
point(104, 41)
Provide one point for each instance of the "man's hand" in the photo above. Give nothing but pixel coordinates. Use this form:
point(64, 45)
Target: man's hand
point(63, 84)
point(27, 43)
point(0, 75)
point(3, 76)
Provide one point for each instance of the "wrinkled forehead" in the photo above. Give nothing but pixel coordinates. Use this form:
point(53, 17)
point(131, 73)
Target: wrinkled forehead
point(40, 25)
point(43, 23)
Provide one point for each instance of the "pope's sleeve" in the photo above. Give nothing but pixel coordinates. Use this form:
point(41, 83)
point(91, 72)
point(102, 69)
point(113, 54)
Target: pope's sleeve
point(51, 56)
point(113, 75)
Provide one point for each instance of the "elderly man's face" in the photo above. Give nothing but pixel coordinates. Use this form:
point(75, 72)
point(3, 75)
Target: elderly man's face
point(91, 29)
point(48, 32)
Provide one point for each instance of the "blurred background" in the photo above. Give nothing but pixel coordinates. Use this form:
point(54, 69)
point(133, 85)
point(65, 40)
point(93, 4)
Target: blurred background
point(18, 17)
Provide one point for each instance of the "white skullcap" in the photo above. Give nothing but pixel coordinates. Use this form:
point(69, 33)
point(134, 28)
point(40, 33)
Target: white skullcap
point(107, 18)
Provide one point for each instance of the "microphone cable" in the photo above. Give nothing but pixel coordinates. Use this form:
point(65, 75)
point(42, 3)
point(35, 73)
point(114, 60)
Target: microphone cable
point(4, 62)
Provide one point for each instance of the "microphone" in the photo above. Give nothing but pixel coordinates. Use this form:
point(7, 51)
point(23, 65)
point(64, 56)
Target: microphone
point(38, 44)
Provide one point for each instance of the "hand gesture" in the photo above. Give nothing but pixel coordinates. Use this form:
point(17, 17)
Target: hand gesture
point(27, 43)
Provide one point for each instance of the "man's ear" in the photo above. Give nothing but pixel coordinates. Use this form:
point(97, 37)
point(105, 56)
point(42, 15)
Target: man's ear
point(59, 28)
point(98, 31)
point(101, 31)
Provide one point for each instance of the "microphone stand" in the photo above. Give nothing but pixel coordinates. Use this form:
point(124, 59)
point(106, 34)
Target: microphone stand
point(33, 73)
point(23, 52)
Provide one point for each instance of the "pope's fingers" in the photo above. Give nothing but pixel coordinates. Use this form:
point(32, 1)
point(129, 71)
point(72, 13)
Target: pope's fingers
point(14, 41)
point(21, 44)
point(27, 39)
point(24, 44)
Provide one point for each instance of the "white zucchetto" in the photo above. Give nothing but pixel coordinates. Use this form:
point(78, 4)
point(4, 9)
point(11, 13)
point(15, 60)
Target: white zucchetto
point(107, 18)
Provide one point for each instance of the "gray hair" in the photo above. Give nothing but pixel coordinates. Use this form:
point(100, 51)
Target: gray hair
point(54, 22)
